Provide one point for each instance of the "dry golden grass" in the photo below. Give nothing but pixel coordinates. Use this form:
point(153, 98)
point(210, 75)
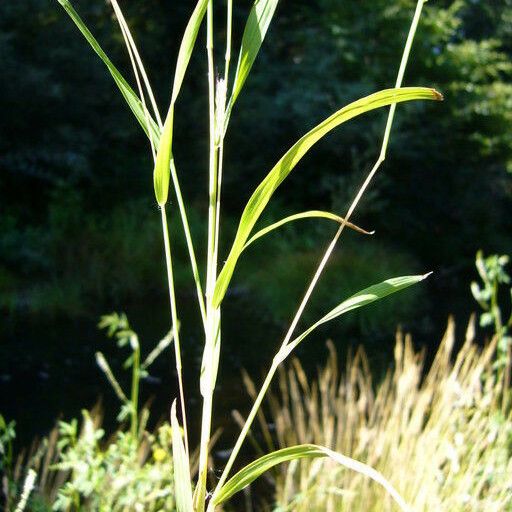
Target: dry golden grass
point(438, 434)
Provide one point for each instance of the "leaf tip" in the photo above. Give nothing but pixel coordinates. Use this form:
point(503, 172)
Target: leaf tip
point(437, 95)
point(173, 410)
point(424, 276)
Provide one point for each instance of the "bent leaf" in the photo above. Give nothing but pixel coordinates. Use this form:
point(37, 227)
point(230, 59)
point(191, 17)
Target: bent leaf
point(162, 170)
point(142, 115)
point(276, 176)
point(253, 470)
point(359, 300)
point(305, 215)
point(255, 30)
point(182, 482)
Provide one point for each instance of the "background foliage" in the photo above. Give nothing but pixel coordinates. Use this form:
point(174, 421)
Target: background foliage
point(78, 230)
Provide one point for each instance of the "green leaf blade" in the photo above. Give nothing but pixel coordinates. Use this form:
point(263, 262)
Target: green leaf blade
point(255, 31)
point(162, 170)
point(131, 98)
point(255, 469)
point(187, 46)
point(360, 299)
point(310, 214)
point(262, 195)
point(182, 480)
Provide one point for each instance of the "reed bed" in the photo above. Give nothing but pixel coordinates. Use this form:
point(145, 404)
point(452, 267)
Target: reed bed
point(439, 434)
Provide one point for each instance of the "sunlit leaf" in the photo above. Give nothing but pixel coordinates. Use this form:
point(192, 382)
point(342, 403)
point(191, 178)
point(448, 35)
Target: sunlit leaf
point(129, 95)
point(276, 176)
point(161, 174)
point(253, 470)
point(182, 481)
point(311, 214)
point(254, 33)
point(361, 299)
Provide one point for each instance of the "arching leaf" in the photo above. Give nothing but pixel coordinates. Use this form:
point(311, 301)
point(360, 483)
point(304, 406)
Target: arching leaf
point(359, 300)
point(276, 176)
point(304, 215)
point(253, 470)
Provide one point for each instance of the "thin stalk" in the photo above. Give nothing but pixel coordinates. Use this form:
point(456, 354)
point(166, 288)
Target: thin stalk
point(174, 317)
point(212, 207)
point(212, 314)
point(229, 26)
point(188, 238)
point(220, 122)
point(283, 351)
point(134, 397)
point(130, 43)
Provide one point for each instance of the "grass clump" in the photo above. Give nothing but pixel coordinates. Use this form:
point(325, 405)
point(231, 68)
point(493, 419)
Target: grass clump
point(438, 430)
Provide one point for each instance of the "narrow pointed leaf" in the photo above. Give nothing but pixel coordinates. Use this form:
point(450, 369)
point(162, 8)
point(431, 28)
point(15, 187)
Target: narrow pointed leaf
point(128, 93)
point(255, 30)
point(304, 215)
point(276, 176)
point(253, 470)
point(359, 300)
point(187, 45)
point(162, 170)
point(182, 481)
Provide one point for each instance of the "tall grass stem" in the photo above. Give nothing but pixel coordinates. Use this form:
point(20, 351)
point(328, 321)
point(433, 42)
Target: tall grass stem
point(175, 322)
point(211, 274)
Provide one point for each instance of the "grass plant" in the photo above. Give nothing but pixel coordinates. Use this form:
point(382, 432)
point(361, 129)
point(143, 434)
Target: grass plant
point(436, 430)
point(222, 95)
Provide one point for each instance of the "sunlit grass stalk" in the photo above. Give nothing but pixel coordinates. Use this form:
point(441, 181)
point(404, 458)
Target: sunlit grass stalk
point(212, 314)
point(137, 63)
point(284, 349)
point(175, 322)
point(28, 486)
point(221, 109)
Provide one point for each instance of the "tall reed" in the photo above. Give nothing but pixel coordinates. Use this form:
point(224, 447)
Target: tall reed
point(222, 96)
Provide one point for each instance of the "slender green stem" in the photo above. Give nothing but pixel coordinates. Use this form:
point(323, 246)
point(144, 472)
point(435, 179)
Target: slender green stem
point(130, 44)
point(134, 397)
point(175, 322)
point(229, 27)
point(188, 239)
point(213, 177)
point(221, 127)
point(212, 314)
point(283, 351)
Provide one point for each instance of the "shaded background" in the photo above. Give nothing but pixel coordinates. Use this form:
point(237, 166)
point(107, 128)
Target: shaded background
point(79, 226)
